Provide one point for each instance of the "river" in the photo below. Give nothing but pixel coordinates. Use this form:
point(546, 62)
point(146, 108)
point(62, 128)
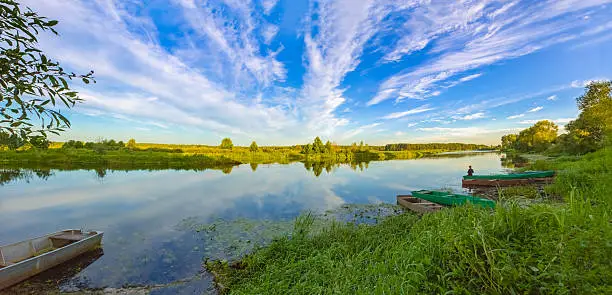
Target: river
point(160, 225)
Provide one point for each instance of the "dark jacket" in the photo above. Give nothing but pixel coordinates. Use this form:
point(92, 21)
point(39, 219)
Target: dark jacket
point(470, 172)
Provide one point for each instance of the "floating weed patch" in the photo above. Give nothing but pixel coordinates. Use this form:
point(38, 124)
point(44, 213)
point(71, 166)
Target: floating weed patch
point(231, 239)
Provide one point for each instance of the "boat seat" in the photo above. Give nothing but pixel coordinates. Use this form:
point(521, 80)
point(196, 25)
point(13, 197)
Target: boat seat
point(68, 237)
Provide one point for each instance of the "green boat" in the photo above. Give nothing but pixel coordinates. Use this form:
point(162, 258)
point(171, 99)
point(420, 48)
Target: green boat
point(450, 199)
point(523, 175)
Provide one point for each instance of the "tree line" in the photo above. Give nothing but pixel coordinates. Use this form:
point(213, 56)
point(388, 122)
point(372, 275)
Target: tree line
point(396, 147)
point(590, 131)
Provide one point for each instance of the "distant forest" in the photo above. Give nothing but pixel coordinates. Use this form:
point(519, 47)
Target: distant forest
point(396, 147)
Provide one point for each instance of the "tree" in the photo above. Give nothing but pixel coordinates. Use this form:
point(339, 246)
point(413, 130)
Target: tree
point(307, 149)
point(226, 143)
point(131, 144)
point(11, 141)
point(328, 147)
point(40, 142)
point(589, 131)
point(538, 137)
point(317, 146)
point(253, 147)
point(31, 84)
point(508, 142)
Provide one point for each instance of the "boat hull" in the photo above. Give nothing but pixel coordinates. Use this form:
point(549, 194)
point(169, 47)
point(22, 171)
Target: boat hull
point(525, 175)
point(467, 183)
point(15, 273)
point(417, 205)
point(449, 199)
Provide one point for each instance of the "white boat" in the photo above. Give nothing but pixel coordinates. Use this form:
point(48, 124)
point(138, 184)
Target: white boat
point(25, 259)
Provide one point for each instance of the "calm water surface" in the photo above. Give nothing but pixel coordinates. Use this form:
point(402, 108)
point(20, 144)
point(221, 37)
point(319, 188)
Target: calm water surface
point(148, 216)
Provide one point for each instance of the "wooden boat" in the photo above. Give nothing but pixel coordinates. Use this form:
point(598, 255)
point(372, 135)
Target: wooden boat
point(513, 176)
point(417, 205)
point(25, 259)
point(467, 183)
point(450, 199)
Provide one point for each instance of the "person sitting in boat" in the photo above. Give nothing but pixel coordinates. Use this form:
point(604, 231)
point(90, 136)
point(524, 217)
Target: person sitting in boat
point(470, 171)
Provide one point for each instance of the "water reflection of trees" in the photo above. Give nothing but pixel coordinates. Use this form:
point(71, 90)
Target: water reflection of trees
point(26, 174)
point(317, 167)
point(513, 161)
point(9, 175)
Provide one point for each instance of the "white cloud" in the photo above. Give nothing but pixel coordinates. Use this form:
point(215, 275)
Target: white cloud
point(466, 35)
point(149, 83)
point(359, 130)
point(269, 33)
point(335, 36)
point(584, 83)
point(536, 109)
point(577, 84)
point(552, 98)
point(411, 125)
point(560, 121)
point(268, 5)
point(397, 115)
point(515, 116)
point(470, 116)
point(231, 36)
point(461, 132)
point(470, 77)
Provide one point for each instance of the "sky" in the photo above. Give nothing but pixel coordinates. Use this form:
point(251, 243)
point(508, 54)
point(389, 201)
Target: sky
point(281, 72)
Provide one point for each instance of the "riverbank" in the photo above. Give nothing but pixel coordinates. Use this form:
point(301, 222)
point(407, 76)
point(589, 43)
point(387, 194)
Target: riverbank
point(70, 159)
point(159, 156)
point(547, 247)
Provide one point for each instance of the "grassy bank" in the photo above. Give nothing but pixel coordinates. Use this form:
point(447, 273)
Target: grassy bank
point(117, 160)
point(560, 248)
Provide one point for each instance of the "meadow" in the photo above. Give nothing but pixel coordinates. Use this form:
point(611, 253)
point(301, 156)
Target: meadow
point(545, 247)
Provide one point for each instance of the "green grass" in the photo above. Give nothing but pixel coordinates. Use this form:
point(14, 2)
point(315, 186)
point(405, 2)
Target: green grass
point(545, 248)
point(527, 191)
point(118, 160)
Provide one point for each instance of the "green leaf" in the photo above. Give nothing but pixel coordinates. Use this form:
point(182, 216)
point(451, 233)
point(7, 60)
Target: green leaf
point(64, 82)
point(53, 81)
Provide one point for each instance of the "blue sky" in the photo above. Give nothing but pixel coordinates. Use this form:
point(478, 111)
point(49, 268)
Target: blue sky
point(285, 71)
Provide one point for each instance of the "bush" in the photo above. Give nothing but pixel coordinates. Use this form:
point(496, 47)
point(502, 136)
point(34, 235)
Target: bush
point(226, 143)
point(40, 142)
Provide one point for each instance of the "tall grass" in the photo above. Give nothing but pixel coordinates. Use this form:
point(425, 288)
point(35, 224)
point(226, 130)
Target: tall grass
point(546, 248)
